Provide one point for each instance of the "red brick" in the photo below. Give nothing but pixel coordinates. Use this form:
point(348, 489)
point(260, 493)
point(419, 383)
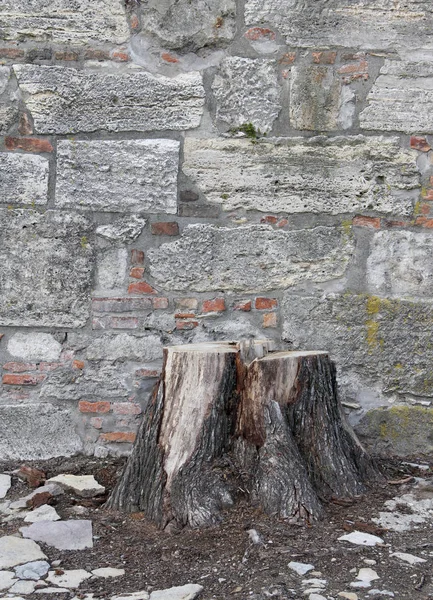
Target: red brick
point(169, 58)
point(119, 436)
point(214, 305)
point(354, 71)
point(78, 364)
point(137, 257)
point(188, 303)
point(160, 303)
point(119, 55)
point(185, 325)
point(427, 195)
point(97, 422)
point(371, 222)
point(94, 407)
point(288, 58)
point(388, 223)
point(136, 272)
point(126, 408)
point(14, 53)
point(67, 55)
point(26, 379)
point(165, 228)
point(141, 288)
point(271, 219)
point(324, 58)
point(259, 33)
point(50, 366)
point(419, 143)
point(134, 22)
point(147, 373)
point(184, 315)
point(282, 222)
point(244, 305)
point(266, 303)
point(17, 367)
point(109, 322)
point(120, 305)
point(424, 222)
point(25, 126)
point(28, 144)
point(96, 54)
point(270, 320)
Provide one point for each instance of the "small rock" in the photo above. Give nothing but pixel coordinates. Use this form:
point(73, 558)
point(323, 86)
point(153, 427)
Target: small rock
point(54, 490)
point(369, 561)
point(42, 513)
point(312, 590)
point(108, 572)
point(300, 568)
point(78, 510)
point(5, 484)
point(255, 536)
point(315, 582)
point(409, 558)
point(52, 590)
point(16, 551)
point(381, 593)
point(32, 570)
point(56, 563)
point(34, 477)
point(360, 584)
point(63, 535)
point(367, 574)
point(361, 539)
point(39, 499)
point(23, 588)
point(69, 579)
point(348, 595)
point(316, 597)
point(134, 596)
point(184, 592)
point(6, 580)
point(316, 573)
point(85, 486)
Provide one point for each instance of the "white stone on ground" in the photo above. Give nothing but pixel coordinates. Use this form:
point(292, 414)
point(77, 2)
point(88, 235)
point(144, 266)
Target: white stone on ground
point(42, 513)
point(5, 484)
point(108, 572)
point(361, 539)
point(409, 558)
point(369, 561)
point(348, 595)
point(376, 592)
point(52, 590)
point(367, 574)
point(184, 592)
point(6, 580)
point(63, 535)
point(16, 551)
point(314, 582)
point(300, 568)
point(52, 488)
point(32, 570)
point(70, 579)
point(85, 486)
point(360, 584)
point(23, 587)
point(315, 597)
point(134, 596)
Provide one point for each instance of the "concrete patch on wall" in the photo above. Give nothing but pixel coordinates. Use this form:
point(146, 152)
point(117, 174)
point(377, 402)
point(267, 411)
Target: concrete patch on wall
point(114, 98)
point(46, 266)
point(124, 345)
point(345, 174)
point(24, 179)
point(121, 176)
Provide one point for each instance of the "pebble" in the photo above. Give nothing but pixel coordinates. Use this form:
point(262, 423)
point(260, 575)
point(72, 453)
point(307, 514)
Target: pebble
point(85, 486)
point(409, 558)
point(32, 570)
point(367, 574)
point(300, 568)
point(69, 579)
point(63, 535)
point(361, 539)
point(369, 561)
point(16, 551)
point(43, 513)
point(5, 484)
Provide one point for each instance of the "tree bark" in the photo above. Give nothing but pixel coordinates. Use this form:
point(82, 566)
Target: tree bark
point(235, 419)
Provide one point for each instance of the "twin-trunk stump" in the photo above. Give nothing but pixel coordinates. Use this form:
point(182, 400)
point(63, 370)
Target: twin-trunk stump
point(229, 421)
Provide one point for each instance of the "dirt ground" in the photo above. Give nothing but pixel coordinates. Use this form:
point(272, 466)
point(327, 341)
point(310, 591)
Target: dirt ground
point(224, 560)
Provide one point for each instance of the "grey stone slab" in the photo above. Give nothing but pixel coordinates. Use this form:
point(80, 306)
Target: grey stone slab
point(63, 535)
point(118, 175)
point(125, 345)
point(7, 579)
point(42, 513)
point(16, 551)
point(197, 24)
point(24, 179)
point(247, 91)
point(381, 345)
point(85, 486)
point(46, 265)
point(5, 484)
point(51, 488)
point(183, 592)
point(248, 258)
point(37, 431)
point(58, 22)
point(400, 265)
point(114, 98)
point(401, 98)
point(364, 24)
point(69, 578)
point(297, 175)
point(23, 588)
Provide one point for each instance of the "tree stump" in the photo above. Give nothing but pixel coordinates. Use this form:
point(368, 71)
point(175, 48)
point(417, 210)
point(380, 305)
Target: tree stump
point(235, 420)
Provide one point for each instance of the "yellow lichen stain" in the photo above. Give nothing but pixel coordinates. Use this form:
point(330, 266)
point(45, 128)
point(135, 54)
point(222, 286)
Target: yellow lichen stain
point(372, 329)
point(373, 305)
point(398, 366)
point(346, 225)
point(417, 208)
point(402, 420)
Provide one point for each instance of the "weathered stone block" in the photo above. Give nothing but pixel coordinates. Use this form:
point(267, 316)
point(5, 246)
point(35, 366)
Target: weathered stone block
point(24, 179)
point(37, 431)
point(58, 21)
point(34, 346)
point(8, 108)
point(111, 271)
point(125, 345)
point(365, 24)
point(400, 264)
point(295, 175)
point(191, 23)
point(248, 258)
point(378, 343)
point(117, 98)
point(247, 91)
point(124, 229)
point(46, 264)
point(401, 98)
point(118, 175)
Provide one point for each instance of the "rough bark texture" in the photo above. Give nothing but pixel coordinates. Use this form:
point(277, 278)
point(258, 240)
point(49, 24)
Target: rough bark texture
point(232, 419)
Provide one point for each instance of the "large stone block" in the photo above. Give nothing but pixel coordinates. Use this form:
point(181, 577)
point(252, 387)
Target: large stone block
point(118, 175)
point(125, 346)
point(59, 21)
point(46, 264)
point(247, 91)
point(37, 432)
point(248, 258)
point(378, 343)
point(24, 179)
point(191, 23)
point(364, 24)
point(400, 264)
point(401, 98)
point(111, 98)
point(298, 175)
point(34, 346)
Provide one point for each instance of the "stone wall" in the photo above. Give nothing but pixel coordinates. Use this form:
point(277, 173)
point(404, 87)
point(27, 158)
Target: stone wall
point(184, 171)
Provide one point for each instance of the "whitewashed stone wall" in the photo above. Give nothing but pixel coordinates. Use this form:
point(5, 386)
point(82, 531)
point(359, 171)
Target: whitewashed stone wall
point(190, 170)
